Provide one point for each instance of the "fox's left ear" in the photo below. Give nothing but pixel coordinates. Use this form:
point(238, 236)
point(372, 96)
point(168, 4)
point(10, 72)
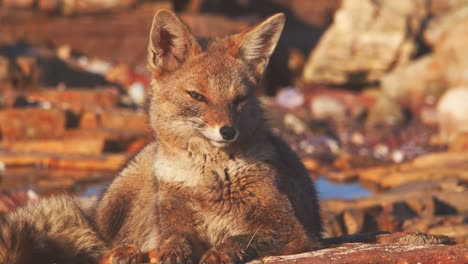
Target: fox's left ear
point(256, 45)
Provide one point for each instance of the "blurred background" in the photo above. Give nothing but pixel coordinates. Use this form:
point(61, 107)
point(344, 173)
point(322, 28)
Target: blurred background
point(372, 94)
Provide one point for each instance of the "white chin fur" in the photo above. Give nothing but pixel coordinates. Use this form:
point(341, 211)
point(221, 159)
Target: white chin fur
point(220, 144)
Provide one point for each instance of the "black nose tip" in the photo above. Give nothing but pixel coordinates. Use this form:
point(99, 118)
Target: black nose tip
point(227, 132)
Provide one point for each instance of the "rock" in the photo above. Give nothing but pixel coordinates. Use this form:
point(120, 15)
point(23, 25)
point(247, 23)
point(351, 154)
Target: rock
point(49, 6)
point(452, 111)
point(289, 98)
point(361, 46)
point(295, 124)
point(451, 56)
point(435, 166)
point(458, 232)
point(18, 3)
point(31, 123)
point(412, 85)
point(104, 35)
point(77, 100)
point(72, 7)
point(89, 120)
point(438, 8)
point(121, 135)
point(121, 119)
point(353, 220)
point(459, 143)
point(107, 162)
point(61, 146)
point(409, 238)
point(326, 107)
point(385, 112)
point(354, 253)
point(447, 14)
point(4, 69)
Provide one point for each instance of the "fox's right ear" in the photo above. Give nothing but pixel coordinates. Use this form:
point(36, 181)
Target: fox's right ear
point(170, 43)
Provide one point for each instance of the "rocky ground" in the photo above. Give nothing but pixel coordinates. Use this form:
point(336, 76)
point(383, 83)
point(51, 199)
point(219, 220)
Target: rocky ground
point(365, 91)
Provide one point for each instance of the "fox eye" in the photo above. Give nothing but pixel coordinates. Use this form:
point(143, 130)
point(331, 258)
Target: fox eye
point(197, 96)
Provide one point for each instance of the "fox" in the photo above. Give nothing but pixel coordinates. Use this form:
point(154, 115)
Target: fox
point(215, 185)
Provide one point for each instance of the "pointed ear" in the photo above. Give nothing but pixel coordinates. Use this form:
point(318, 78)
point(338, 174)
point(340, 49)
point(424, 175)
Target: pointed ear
point(256, 45)
point(170, 43)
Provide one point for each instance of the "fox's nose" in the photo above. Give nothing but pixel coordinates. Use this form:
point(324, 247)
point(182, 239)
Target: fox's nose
point(228, 132)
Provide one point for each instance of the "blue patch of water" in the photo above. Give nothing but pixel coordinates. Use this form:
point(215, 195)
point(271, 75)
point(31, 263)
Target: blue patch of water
point(330, 190)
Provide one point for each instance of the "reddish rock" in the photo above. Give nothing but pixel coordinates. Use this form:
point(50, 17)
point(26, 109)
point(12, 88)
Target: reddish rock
point(31, 123)
point(411, 238)
point(121, 37)
point(58, 146)
point(458, 232)
point(73, 7)
point(459, 143)
point(353, 220)
point(123, 119)
point(89, 120)
point(49, 5)
point(108, 162)
point(77, 100)
point(4, 69)
point(18, 3)
point(434, 166)
point(109, 134)
point(376, 253)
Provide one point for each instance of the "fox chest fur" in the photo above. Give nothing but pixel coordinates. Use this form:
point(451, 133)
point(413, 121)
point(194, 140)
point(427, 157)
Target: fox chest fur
point(222, 189)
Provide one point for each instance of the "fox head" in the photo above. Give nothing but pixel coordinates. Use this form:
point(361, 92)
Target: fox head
point(207, 97)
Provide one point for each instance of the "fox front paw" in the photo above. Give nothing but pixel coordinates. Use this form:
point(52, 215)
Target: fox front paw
point(175, 251)
point(216, 257)
point(123, 255)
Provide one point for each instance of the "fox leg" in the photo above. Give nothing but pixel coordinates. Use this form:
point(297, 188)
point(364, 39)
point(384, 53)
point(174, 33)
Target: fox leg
point(124, 255)
point(270, 238)
point(179, 242)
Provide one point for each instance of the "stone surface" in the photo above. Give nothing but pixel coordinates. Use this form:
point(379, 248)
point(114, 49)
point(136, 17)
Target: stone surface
point(412, 85)
point(325, 107)
point(428, 167)
point(376, 253)
point(71, 7)
point(119, 37)
point(108, 162)
point(430, 207)
point(361, 46)
point(18, 3)
point(451, 56)
point(447, 14)
point(452, 112)
point(77, 100)
point(31, 123)
point(123, 119)
point(60, 146)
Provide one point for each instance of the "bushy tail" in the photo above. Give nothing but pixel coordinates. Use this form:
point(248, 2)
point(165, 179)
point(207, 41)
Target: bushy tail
point(53, 230)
